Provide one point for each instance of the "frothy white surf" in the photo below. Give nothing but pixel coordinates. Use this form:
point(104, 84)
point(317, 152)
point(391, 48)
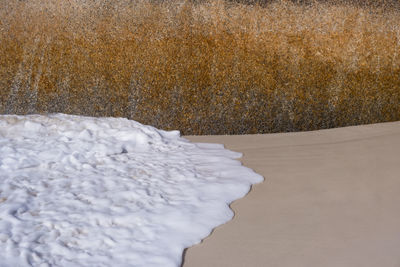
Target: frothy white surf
point(79, 191)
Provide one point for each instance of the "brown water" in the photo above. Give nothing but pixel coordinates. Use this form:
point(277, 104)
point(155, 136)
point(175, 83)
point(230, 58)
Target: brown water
point(208, 68)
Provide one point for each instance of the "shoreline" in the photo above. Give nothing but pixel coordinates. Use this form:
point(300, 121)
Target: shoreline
point(329, 199)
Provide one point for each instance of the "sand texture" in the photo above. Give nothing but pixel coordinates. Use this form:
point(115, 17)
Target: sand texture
point(330, 198)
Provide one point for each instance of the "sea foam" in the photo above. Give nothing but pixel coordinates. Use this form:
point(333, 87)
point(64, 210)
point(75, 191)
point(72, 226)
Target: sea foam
point(81, 191)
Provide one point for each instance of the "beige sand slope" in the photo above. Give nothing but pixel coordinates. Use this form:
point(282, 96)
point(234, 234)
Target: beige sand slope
point(330, 198)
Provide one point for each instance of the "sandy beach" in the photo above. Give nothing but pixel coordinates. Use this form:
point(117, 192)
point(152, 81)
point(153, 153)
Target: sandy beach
point(330, 198)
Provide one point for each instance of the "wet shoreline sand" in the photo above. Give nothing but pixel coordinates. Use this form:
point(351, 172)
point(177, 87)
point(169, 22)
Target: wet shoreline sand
point(330, 198)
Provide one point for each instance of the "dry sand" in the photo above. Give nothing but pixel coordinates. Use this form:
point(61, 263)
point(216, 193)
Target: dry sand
point(330, 198)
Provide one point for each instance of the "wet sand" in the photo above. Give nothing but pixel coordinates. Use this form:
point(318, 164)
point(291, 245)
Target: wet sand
point(330, 198)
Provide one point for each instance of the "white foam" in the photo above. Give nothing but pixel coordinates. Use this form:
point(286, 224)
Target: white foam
point(80, 191)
